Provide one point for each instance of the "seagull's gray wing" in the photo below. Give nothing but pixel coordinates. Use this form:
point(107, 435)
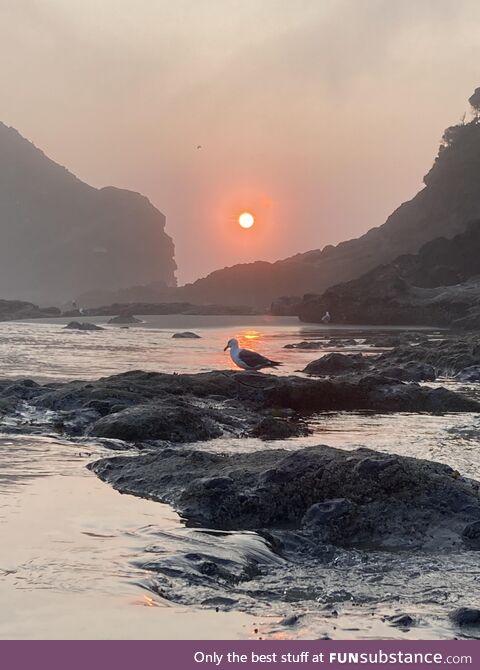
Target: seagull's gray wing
point(253, 359)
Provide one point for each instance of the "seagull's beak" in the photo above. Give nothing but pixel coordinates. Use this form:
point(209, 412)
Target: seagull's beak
point(227, 347)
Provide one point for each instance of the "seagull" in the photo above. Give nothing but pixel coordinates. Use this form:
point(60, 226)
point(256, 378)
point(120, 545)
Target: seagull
point(248, 360)
point(326, 317)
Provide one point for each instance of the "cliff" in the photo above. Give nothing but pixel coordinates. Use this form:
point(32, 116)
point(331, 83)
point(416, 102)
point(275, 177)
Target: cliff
point(439, 286)
point(60, 237)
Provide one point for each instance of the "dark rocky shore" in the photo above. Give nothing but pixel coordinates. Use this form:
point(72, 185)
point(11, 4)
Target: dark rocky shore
point(347, 498)
point(139, 406)
point(270, 527)
point(359, 497)
point(439, 286)
point(423, 359)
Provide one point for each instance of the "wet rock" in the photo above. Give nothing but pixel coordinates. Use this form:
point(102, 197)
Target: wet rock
point(163, 420)
point(404, 621)
point(388, 501)
point(272, 428)
point(471, 535)
point(259, 391)
point(21, 389)
point(466, 616)
point(235, 400)
point(449, 357)
point(336, 364)
point(296, 594)
point(321, 515)
point(124, 319)
point(414, 372)
point(290, 621)
point(307, 345)
point(385, 341)
point(186, 335)
point(77, 325)
point(470, 374)
point(76, 422)
point(362, 392)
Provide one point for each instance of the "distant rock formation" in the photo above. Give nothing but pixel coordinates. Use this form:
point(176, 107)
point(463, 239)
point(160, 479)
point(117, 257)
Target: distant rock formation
point(60, 237)
point(153, 293)
point(439, 286)
point(186, 335)
point(85, 325)
point(443, 208)
point(165, 308)
point(286, 305)
point(11, 310)
point(124, 319)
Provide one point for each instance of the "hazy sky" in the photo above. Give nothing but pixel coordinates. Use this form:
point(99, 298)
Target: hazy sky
point(320, 116)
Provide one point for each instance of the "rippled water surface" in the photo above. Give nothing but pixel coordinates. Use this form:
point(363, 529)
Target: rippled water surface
point(77, 559)
point(45, 350)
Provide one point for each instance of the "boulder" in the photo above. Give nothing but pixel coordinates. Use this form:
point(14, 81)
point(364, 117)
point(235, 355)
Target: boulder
point(336, 364)
point(273, 428)
point(124, 319)
point(466, 616)
point(471, 535)
point(348, 498)
point(450, 356)
point(240, 400)
point(186, 335)
point(413, 372)
point(403, 621)
point(470, 374)
point(85, 325)
point(307, 345)
point(162, 420)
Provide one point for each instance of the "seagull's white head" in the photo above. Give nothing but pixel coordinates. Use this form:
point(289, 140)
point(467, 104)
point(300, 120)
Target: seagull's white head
point(232, 344)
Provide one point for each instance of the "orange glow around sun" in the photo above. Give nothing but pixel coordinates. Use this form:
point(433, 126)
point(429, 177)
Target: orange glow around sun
point(246, 220)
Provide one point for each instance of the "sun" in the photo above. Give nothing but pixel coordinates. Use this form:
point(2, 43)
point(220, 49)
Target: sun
point(246, 220)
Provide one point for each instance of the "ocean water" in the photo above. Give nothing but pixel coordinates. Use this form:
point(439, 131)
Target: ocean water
point(78, 559)
point(44, 350)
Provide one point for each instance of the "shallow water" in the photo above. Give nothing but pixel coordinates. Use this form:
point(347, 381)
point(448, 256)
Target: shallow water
point(44, 350)
point(69, 550)
point(77, 559)
point(449, 438)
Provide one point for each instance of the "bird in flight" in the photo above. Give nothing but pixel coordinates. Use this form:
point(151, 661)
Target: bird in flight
point(247, 359)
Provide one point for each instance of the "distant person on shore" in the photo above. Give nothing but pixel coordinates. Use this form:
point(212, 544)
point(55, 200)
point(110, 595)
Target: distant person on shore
point(326, 317)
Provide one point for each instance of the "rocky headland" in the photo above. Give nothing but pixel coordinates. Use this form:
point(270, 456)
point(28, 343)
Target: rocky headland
point(60, 237)
point(408, 291)
point(14, 310)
